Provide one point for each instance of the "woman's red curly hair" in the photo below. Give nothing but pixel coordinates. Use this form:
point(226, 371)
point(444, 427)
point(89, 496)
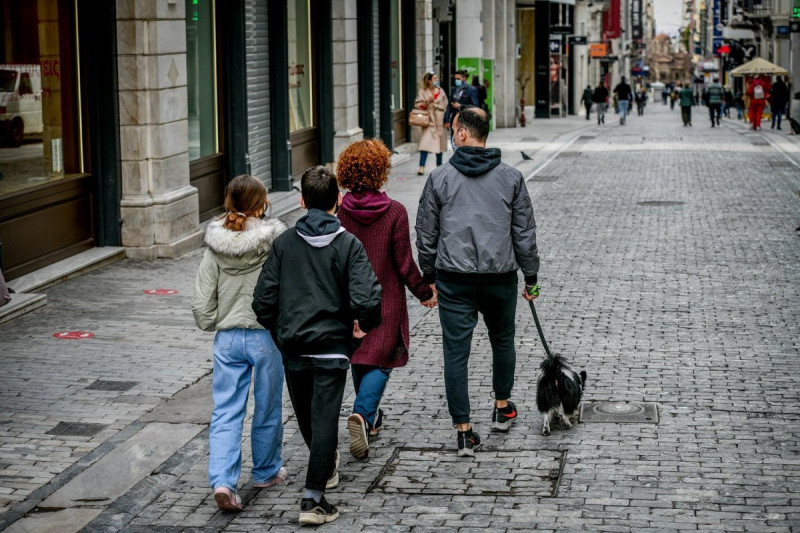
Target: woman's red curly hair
point(364, 166)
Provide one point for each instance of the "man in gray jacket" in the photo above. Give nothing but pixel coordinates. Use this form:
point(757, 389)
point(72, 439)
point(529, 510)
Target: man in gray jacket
point(475, 229)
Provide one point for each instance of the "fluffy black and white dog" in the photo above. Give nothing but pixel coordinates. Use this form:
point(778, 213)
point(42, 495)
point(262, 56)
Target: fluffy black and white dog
point(559, 391)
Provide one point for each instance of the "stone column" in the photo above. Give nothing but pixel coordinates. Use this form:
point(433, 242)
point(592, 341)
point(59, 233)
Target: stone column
point(159, 207)
point(424, 16)
point(506, 88)
point(345, 75)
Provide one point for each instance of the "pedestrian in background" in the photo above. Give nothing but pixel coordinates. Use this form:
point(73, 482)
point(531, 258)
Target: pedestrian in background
point(462, 94)
point(727, 102)
point(686, 102)
point(778, 101)
point(433, 140)
point(759, 94)
point(586, 100)
point(673, 95)
point(624, 96)
point(475, 229)
point(714, 95)
point(318, 295)
point(738, 101)
point(600, 99)
point(641, 100)
point(381, 225)
point(239, 243)
point(483, 93)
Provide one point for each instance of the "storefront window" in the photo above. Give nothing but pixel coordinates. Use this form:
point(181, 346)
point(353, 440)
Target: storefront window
point(397, 58)
point(201, 65)
point(39, 142)
point(301, 112)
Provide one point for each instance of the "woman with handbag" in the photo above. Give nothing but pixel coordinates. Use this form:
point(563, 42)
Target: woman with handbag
point(433, 100)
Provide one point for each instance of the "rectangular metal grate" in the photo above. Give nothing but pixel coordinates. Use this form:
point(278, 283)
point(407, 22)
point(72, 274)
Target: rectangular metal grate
point(546, 179)
point(494, 471)
point(619, 412)
point(102, 384)
point(76, 429)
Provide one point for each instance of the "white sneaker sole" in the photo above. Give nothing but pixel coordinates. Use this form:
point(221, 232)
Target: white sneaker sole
point(315, 519)
point(359, 442)
point(502, 426)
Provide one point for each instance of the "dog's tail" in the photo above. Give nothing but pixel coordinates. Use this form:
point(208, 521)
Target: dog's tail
point(551, 363)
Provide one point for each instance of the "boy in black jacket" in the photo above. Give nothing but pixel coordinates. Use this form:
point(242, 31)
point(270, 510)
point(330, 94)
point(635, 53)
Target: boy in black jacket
point(317, 295)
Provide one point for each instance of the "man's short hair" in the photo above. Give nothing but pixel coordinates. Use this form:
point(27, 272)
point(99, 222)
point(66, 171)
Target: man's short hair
point(319, 188)
point(475, 120)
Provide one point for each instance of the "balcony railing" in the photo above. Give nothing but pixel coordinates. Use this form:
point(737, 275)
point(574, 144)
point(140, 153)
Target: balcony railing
point(756, 8)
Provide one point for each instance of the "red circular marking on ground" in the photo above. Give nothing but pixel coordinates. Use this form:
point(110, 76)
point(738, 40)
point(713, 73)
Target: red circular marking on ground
point(73, 335)
point(160, 292)
point(401, 179)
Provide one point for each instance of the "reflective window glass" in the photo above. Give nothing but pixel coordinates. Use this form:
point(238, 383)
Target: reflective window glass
point(301, 111)
point(201, 68)
point(39, 141)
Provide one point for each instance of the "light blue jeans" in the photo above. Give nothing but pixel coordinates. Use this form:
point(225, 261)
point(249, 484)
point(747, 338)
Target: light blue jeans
point(238, 355)
point(623, 110)
point(369, 382)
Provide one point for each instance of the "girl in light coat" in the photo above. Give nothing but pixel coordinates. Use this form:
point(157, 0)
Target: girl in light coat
point(238, 245)
point(434, 138)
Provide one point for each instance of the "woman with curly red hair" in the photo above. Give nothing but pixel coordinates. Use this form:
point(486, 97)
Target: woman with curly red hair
point(381, 224)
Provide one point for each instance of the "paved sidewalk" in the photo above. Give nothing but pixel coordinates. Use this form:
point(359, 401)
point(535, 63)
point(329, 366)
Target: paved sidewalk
point(669, 272)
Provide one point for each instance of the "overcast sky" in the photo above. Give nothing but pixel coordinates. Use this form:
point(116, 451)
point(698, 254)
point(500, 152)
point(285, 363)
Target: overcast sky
point(668, 16)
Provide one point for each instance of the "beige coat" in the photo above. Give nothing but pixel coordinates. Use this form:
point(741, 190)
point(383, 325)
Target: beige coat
point(434, 137)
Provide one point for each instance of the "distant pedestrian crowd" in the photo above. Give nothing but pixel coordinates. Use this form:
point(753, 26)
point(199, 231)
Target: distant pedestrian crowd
point(305, 305)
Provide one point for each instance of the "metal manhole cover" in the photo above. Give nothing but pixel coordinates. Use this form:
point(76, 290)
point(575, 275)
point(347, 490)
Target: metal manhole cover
point(493, 472)
point(660, 203)
point(569, 154)
point(529, 139)
point(544, 178)
point(586, 137)
point(76, 429)
point(759, 142)
point(619, 412)
point(102, 384)
point(782, 164)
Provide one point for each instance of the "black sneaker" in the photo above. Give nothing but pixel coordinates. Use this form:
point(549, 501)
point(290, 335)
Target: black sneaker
point(313, 513)
point(503, 418)
point(468, 442)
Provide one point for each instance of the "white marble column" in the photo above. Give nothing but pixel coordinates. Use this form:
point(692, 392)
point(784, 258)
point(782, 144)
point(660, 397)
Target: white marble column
point(345, 75)
point(159, 207)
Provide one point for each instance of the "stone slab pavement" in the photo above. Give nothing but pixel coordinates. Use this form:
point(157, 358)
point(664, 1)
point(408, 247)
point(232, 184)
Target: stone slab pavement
point(669, 272)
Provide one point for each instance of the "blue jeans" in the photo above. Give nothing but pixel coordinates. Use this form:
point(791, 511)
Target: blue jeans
point(369, 382)
point(423, 157)
point(623, 110)
point(777, 115)
point(238, 355)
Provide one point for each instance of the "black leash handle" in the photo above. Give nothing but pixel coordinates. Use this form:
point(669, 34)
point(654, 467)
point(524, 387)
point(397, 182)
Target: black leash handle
point(539, 328)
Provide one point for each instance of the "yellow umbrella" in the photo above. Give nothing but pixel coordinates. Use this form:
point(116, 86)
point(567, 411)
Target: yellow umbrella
point(757, 66)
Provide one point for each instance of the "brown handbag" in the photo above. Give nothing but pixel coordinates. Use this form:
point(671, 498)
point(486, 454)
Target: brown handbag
point(419, 117)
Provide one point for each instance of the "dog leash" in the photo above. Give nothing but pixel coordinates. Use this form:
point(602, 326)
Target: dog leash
point(539, 328)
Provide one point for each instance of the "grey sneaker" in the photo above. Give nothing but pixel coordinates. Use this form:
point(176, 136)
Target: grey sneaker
point(359, 442)
point(333, 481)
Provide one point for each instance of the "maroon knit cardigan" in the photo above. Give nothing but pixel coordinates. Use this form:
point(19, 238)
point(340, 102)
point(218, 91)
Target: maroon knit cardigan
point(388, 244)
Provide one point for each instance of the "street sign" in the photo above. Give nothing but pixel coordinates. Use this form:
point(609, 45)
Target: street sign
point(576, 39)
point(555, 45)
point(598, 50)
point(73, 335)
point(561, 29)
point(794, 26)
point(161, 292)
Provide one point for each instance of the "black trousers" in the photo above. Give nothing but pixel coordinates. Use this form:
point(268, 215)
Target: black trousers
point(316, 387)
point(686, 114)
point(459, 305)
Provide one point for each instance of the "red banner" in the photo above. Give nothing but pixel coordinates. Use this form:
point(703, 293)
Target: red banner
point(611, 20)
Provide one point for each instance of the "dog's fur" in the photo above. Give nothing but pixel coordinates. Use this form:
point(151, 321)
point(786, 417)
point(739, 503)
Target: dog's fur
point(795, 126)
point(559, 391)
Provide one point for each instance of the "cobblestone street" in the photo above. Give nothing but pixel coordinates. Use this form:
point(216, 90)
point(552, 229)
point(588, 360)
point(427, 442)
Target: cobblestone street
point(670, 273)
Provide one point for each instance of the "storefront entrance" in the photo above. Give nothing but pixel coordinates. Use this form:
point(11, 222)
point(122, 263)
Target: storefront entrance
point(46, 191)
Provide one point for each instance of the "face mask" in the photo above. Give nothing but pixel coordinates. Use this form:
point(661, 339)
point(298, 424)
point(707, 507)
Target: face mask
point(458, 83)
point(436, 83)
